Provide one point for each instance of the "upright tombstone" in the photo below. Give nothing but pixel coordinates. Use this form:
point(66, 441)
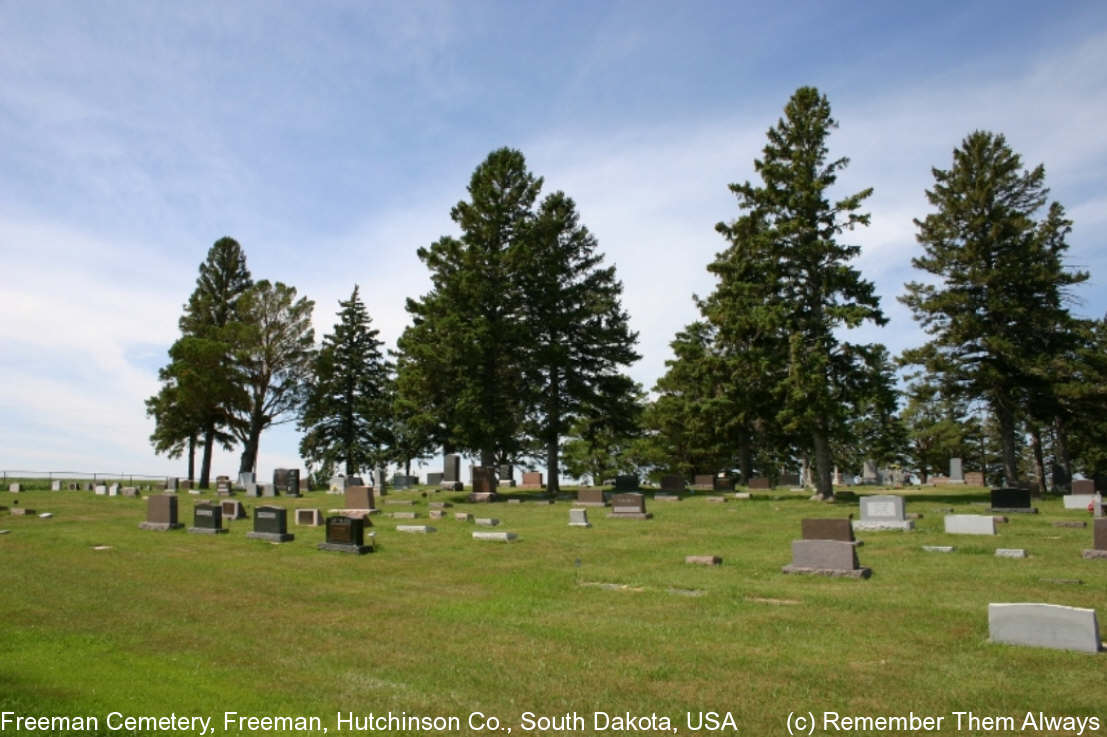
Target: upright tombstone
point(232, 509)
point(15, 488)
point(309, 517)
point(629, 505)
point(1083, 486)
point(956, 474)
point(346, 535)
point(171, 483)
point(672, 482)
point(271, 523)
point(506, 472)
point(359, 497)
point(974, 478)
point(253, 490)
point(337, 485)
point(532, 480)
point(484, 484)
point(1044, 625)
point(380, 483)
point(435, 478)
point(704, 481)
point(760, 483)
point(834, 528)
point(883, 512)
point(1099, 540)
point(1012, 500)
point(269, 490)
point(207, 519)
point(868, 473)
point(826, 558)
point(113, 490)
point(56, 485)
point(626, 482)
point(1078, 501)
point(161, 513)
point(286, 481)
point(789, 479)
point(591, 496)
point(970, 524)
point(579, 518)
point(223, 486)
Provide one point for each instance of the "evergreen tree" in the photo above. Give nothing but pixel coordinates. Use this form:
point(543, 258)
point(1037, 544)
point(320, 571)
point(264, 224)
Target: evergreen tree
point(469, 324)
point(810, 291)
point(346, 413)
point(576, 333)
point(1001, 283)
point(273, 354)
point(201, 385)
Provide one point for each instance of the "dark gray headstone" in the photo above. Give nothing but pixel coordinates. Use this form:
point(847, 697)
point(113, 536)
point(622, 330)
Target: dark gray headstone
point(827, 529)
point(271, 523)
point(725, 483)
point(207, 519)
point(629, 505)
point(346, 535)
point(626, 482)
point(704, 479)
point(825, 557)
point(672, 482)
point(451, 467)
point(287, 481)
point(434, 479)
point(1011, 500)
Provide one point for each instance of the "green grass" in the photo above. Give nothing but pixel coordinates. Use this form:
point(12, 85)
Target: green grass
point(443, 625)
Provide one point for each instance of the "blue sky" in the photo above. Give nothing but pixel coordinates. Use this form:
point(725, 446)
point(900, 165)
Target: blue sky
point(331, 140)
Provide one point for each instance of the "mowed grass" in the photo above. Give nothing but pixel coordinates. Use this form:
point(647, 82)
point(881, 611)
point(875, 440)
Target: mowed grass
point(562, 620)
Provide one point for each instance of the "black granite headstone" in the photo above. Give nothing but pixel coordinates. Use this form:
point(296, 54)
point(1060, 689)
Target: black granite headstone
point(271, 523)
point(346, 535)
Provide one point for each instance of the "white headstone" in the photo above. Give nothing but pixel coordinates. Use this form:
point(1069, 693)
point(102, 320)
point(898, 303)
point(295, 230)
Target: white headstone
point(502, 537)
point(579, 518)
point(1078, 501)
point(970, 524)
point(956, 474)
point(883, 512)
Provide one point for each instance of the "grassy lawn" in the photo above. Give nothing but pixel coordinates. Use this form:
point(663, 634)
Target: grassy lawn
point(608, 619)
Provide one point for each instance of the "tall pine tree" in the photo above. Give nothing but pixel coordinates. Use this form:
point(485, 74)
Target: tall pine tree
point(347, 410)
point(811, 291)
point(998, 302)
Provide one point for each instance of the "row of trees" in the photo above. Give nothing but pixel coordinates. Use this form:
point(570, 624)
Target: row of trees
point(765, 380)
point(517, 352)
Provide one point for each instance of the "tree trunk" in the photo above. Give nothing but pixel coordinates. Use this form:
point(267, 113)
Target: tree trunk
point(745, 459)
point(823, 486)
point(488, 458)
point(552, 468)
point(1039, 460)
point(205, 461)
point(1006, 419)
point(407, 467)
point(1061, 450)
point(191, 458)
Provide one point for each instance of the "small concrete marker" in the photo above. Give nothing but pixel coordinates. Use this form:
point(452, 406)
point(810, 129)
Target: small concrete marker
point(46, 515)
point(703, 560)
point(1010, 553)
point(1070, 523)
point(502, 537)
point(487, 521)
point(938, 548)
point(415, 528)
point(463, 516)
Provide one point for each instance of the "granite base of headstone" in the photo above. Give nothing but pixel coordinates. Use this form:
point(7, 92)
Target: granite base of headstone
point(1009, 500)
point(579, 518)
point(207, 519)
point(271, 524)
point(346, 535)
point(629, 505)
point(1044, 625)
point(883, 512)
point(833, 558)
point(161, 513)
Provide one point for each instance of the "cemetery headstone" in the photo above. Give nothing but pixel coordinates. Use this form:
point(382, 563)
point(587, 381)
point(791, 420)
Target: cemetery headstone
point(131, 491)
point(422, 529)
point(359, 497)
point(346, 535)
point(883, 512)
point(309, 517)
point(1012, 500)
point(451, 467)
point(672, 482)
point(1044, 625)
point(532, 480)
point(506, 472)
point(1078, 501)
point(232, 509)
point(55, 485)
point(1083, 486)
point(269, 490)
point(486, 521)
point(629, 505)
point(172, 483)
point(253, 490)
point(826, 558)
point(223, 486)
point(703, 481)
point(868, 473)
point(579, 518)
point(502, 537)
point(970, 524)
point(626, 482)
point(437, 514)
point(828, 529)
point(703, 560)
point(590, 496)
point(337, 485)
point(974, 478)
point(161, 513)
point(101, 490)
point(207, 519)
point(15, 488)
point(246, 477)
point(789, 479)
point(956, 474)
point(1010, 553)
point(463, 516)
point(434, 479)
point(271, 523)
point(113, 490)
point(759, 483)
point(1099, 540)
point(287, 481)
point(484, 484)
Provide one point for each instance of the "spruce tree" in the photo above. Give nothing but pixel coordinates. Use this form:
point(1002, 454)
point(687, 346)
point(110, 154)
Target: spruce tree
point(346, 413)
point(577, 336)
point(469, 324)
point(811, 291)
point(998, 301)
